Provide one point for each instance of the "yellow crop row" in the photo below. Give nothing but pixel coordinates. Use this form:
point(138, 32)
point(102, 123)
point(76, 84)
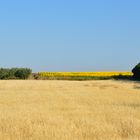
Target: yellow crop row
point(86, 74)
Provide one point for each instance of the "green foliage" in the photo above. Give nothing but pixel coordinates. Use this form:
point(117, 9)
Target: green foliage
point(23, 73)
point(15, 73)
point(75, 78)
point(136, 71)
point(4, 73)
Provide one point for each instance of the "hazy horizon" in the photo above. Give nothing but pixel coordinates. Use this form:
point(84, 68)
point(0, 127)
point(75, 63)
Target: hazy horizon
point(74, 35)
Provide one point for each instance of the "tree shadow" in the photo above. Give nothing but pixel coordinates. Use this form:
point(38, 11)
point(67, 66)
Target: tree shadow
point(129, 78)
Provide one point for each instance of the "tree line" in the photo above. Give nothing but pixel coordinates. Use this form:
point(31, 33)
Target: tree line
point(15, 73)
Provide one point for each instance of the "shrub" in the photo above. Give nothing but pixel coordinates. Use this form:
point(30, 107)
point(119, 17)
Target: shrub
point(23, 73)
point(35, 76)
point(15, 73)
point(12, 72)
point(136, 71)
point(4, 73)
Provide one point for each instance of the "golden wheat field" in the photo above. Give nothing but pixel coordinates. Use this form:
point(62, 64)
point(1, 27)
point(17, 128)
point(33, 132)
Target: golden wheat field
point(69, 110)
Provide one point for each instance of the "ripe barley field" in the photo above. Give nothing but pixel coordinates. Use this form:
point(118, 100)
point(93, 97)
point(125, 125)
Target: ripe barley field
point(69, 110)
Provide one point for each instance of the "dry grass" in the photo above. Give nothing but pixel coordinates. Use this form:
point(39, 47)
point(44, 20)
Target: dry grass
point(69, 110)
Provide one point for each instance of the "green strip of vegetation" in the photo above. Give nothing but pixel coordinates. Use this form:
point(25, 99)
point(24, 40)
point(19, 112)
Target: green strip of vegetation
point(79, 78)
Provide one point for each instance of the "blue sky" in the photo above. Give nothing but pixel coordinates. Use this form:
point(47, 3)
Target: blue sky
point(70, 35)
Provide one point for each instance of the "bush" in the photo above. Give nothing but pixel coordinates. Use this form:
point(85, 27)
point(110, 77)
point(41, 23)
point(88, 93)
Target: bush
point(23, 73)
point(15, 73)
point(136, 71)
point(12, 72)
point(4, 73)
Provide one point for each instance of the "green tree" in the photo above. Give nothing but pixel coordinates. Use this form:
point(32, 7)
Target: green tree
point(23, 73)
point(136, 71)
point(4, 73)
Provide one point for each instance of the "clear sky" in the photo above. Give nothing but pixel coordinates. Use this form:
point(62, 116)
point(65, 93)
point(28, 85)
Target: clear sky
point(70, 35)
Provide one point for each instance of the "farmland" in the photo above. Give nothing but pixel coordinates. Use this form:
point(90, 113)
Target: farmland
point(82, 75)
point(69, 110)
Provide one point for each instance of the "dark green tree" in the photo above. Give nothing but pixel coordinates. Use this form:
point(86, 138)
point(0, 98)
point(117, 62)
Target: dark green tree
point(15, 73)
point(136, 71)
point(23, 73)
point(4, 73)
